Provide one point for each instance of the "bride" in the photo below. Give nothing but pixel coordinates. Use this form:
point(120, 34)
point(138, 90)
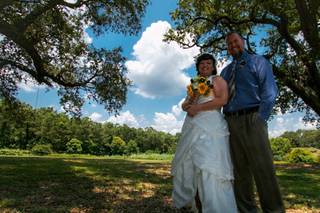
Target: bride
point(202, 170)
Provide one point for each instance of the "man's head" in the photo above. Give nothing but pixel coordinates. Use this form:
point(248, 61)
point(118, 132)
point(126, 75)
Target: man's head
point(202, 63)
point(235, 44)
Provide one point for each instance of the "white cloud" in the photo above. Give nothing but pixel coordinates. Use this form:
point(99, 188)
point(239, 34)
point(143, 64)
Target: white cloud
point(157, 68)
point(170, 122)
point(287, 122)
point(86, 36)
point(177, 109)
point(96, 117)
point(71, 1)
point(302, 125)
point(125, 118)
point(29, 85)
point(167, 122)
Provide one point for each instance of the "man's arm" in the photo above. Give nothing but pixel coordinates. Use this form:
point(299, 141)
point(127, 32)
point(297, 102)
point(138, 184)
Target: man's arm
point(267, 88)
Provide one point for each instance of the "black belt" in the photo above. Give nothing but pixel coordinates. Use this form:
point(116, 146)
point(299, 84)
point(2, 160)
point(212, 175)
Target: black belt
point(243, 111)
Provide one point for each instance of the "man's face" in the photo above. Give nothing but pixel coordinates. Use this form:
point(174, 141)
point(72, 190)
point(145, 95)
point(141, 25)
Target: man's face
point(235, 44)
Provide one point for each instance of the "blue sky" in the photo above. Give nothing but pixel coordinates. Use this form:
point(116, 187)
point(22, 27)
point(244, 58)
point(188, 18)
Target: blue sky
point(160, 73)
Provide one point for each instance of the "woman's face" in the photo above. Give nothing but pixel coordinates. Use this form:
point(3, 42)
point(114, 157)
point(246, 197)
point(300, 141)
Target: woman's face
point(205, 67)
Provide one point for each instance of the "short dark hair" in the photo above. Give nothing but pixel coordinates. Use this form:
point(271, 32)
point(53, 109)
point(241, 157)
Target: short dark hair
point(234, 32)
point(206, 56)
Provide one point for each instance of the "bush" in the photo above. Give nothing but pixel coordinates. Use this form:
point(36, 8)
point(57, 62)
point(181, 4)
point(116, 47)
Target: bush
point(301, 155)
point(117, 146)
point(152, 156)
point(74, 146)
point(16, 152)
point(280, 147)
point(42, 149)
point(131, 148)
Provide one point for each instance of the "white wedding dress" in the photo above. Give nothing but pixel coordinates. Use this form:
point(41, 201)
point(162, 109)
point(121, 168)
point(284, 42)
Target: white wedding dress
point(202, 162)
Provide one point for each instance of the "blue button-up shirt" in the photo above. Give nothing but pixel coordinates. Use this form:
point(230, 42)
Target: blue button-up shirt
point(255, 84)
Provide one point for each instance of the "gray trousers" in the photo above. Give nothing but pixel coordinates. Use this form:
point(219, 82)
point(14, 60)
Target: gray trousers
point(252, 159)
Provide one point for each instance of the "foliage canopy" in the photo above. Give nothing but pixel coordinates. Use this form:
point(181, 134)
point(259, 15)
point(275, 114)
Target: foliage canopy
point(44, 41)
point(290, 40)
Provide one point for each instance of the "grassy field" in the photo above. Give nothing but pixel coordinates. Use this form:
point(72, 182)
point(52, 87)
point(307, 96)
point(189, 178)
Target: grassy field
point(81, 184)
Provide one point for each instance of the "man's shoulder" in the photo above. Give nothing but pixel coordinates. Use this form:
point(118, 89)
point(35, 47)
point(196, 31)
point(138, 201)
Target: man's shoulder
point(224, 71)
point(257, 58)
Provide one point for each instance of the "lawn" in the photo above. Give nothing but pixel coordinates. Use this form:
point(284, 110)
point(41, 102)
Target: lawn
point(64, 184)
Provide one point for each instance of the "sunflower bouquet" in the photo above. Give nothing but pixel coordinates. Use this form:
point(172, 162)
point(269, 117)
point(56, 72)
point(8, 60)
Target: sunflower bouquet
point(199, 86)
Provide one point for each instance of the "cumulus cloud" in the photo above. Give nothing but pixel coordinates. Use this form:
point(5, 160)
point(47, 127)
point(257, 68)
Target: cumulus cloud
point(96, 117)
point(177, 109)
point(167, 122)
point(157, 67)
point(170, 122)
point(86, 36)
point(287, 122)
point(125, 118)
point(30, 85)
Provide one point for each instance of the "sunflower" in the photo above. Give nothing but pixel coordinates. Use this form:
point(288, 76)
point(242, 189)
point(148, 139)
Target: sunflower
point(202, 88)
point(190, 90)
point(202, 79)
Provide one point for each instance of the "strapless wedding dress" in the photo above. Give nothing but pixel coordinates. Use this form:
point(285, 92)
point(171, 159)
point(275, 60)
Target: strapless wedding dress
point(202, 162)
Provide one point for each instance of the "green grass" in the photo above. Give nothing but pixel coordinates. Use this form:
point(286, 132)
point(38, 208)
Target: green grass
point(300, 185)
point(43, 184)
point(63, 183)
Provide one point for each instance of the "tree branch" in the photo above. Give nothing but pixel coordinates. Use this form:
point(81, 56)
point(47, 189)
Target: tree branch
point(23, 23)
point(306, 95)
point(33, 73)
point(308, 23)
point(16, 36)
point(4, 3)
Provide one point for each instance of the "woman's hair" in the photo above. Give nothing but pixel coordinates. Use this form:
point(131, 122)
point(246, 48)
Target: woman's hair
point(206, 56)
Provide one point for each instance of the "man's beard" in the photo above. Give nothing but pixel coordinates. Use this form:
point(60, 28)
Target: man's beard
point(237, 53)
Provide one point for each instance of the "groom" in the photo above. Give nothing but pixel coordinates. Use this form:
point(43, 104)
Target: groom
point(252, 94)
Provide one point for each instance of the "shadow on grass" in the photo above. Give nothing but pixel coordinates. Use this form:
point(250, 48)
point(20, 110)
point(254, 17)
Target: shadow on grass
point(39, 184)
point(34, 184)
point(300, 185)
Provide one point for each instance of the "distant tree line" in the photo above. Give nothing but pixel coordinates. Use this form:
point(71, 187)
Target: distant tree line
point(44, 130)
point(299, 146)
point(23, 127)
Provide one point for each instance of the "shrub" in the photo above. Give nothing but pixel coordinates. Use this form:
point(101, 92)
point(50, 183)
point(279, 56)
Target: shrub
point(16, 152)
point(300, 155)
point(131, 147)
point(74, 146)
point(42, 149)
point(280, 147)
point(117, 146)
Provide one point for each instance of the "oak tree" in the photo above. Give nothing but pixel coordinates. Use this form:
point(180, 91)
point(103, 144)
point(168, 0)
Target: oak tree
point(44, 41)
point(287, 31)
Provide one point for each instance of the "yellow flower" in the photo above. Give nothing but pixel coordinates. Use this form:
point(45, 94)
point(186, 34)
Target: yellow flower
point(190, 91)
point(202, 88)
point(202, 79)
